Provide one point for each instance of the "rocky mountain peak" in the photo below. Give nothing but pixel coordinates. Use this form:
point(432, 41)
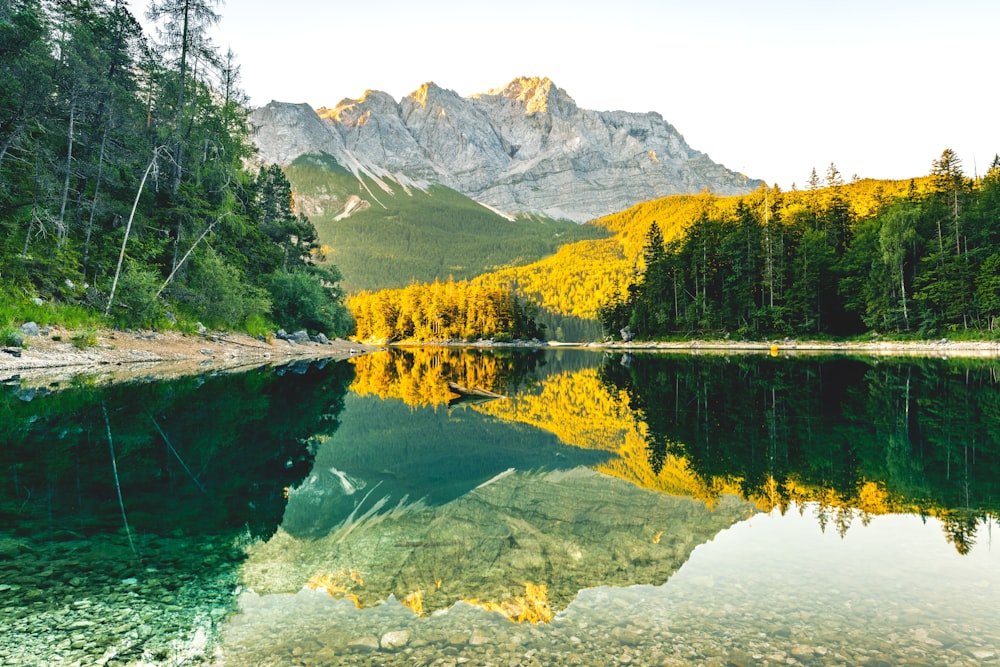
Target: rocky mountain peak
point(352, 112)
point(534, 94)
point(428, 91)
point(522, 148)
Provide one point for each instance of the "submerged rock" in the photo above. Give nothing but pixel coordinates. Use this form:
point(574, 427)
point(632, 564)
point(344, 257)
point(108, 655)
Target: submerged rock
point(395, 639)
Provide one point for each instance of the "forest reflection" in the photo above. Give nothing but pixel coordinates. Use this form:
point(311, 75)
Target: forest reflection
point(852, 437)
point(211, 454)
point(420, 376)
point(843, 438)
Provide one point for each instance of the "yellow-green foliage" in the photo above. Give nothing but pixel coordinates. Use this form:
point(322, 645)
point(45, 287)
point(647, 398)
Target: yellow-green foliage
point(438, 311)
point(582, 276)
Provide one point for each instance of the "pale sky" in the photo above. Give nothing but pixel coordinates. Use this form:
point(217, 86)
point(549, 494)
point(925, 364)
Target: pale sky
point(770, 88)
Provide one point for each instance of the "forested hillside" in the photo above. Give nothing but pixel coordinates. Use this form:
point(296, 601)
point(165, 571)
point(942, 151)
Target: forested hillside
point(912, 257)
point(572, 285)
point(125, 190)
point(444, 311)
point(918, 257)
point(383, 234)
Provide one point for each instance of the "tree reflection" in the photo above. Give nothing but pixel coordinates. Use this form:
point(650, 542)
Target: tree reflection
point(196, 455)
point(419, 376)
point(856, 437)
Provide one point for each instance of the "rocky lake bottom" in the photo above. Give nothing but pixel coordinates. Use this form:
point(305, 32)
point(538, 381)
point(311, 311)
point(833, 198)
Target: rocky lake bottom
point(79, 603)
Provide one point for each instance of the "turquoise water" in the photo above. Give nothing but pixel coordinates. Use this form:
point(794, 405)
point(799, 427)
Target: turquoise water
point(645, 510)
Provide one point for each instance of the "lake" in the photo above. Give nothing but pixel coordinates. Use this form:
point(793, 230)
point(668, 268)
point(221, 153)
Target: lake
point(609, 509)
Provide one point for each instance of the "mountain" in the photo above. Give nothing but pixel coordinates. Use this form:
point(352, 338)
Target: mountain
point(523, 148)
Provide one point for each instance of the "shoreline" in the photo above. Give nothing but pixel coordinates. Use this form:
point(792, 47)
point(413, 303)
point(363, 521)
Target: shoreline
point(937, 348)
point(941, 348)
point(121, 356)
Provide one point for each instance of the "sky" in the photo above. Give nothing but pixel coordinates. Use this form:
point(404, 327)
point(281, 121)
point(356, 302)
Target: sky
point(771, 89)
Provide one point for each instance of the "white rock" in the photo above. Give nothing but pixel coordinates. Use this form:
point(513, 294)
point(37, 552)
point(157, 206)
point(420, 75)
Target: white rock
point(395, 639)
point(364, 644)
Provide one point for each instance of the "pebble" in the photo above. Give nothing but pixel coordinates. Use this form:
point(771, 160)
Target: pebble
point(364, 644)
point(395, 639)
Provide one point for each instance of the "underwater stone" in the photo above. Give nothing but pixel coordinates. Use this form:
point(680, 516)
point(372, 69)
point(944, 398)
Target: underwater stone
point(395, 639)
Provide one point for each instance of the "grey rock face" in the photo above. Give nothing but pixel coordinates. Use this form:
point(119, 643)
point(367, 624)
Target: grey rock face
point(523, 148)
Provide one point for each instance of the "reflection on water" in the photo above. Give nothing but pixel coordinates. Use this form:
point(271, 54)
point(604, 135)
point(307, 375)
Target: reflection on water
point(387, 455)
point(858, 437)
point(649, 510)
point(668, 564)
point(771, 590)
point(122, 509)
point(565, 530)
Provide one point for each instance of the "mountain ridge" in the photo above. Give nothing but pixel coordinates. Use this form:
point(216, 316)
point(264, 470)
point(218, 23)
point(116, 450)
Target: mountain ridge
point(525, 147)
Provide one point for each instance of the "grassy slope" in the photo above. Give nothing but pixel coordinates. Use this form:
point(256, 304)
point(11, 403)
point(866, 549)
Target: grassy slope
point(400, 237)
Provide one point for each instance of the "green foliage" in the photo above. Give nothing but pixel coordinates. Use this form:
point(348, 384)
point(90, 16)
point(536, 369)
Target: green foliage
point(16, 310)
point(217, 294)
point(301, 300)
point(136, 303)
point(10, 337)
point(259, 325)
point(841, 260)
point(109, 145)
point(84, 339)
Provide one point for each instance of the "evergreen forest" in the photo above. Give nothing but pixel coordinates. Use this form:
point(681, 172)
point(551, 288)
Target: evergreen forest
point(129, 190)
point(918, 258)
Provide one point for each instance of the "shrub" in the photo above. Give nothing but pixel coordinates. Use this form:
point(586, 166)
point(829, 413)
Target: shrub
point(83, 339)
point(10, 337)
point(136, 303)
point(301, 301)
point(218, 294)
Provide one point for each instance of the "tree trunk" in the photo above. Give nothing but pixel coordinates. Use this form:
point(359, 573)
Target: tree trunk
point(93, 204)
point(179, 112)
point(69, 170)
point(189, 251)
point(128, 228)
point(902, 291)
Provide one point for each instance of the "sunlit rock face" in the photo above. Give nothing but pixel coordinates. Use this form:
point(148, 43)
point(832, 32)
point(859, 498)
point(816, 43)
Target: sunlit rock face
point(523, 148)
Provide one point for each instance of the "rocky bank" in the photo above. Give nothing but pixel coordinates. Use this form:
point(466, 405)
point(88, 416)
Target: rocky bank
point(50, 355)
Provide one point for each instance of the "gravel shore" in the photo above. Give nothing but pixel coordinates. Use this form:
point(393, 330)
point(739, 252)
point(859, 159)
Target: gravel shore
point(51, 356)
